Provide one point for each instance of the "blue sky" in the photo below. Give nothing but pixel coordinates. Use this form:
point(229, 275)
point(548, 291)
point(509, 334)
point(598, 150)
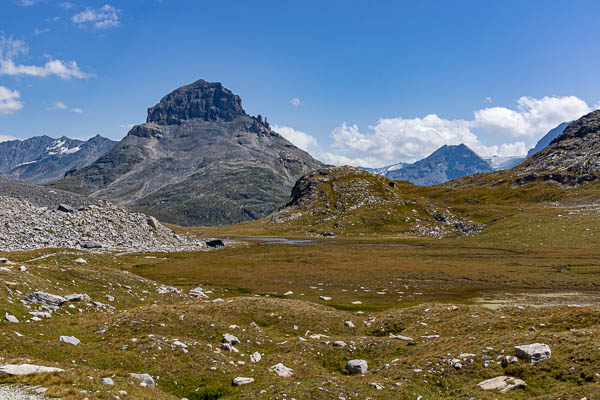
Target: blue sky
point(359, 82)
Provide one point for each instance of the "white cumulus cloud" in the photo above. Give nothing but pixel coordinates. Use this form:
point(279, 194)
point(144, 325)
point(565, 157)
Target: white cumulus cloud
point(9, 101)
point(298, 138)
point(11, 48)
point(393, 140)
point(532, 117)
point(106, 16)
point(62, 69)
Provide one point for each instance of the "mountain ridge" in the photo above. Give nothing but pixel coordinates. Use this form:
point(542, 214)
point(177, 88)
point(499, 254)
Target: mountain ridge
point(42, 159)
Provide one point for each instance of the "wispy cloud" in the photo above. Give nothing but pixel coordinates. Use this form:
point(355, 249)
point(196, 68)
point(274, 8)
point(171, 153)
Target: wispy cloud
point(488, 100)
point(6, 138)
point(9, 101)
point(26, 3)
point(67, 5)
point(296, 102)
point(104, 17)
point(62, 69)
point(11, 48)
point(62, 106)
point(39, 31)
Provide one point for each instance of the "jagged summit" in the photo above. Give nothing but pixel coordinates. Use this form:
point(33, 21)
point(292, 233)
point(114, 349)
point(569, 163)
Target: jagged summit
point(208, 101)
point(573, 157)
point(198, 160)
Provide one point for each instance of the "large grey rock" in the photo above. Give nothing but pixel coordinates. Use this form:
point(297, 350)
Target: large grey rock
point(357, 366)
point(26, 369)
point(145, 379)
point(45, 299)
point(533, 353)
point(502, 384)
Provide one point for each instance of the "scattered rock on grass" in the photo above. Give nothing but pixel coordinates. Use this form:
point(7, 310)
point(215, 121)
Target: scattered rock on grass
point(240, 380)
point(502, 384)
point(533, 353)
point(26, 369)
point(70, 340)
point(145, 379)
point(357, 366)
point(282, 370)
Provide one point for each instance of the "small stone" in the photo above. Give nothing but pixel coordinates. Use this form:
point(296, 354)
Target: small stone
point(357, 366)
point(325, 298)
point(502, 384)
point(70, 340)
point(11, 318)
point(81, 261)
point(400, 337)
point(145, 379)
point(22, 268)
point(228, 338)
point(349, 324)
point(282, 370)
point(339, 343)
point(108, 381)
point(256, 357)
point(509, 360)
point(240, 380)
point(66, 208)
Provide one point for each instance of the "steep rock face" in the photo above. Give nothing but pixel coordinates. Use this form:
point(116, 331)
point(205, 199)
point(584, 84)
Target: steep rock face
point(548, 137)
point(573, 157)
point(208, 101)
point(446, 163)
point(43, 159)
point(199, 160)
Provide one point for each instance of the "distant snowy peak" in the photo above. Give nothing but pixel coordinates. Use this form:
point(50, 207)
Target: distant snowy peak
point(498, 163)
point(64, 146)
point(384, 170)
point(43, 159)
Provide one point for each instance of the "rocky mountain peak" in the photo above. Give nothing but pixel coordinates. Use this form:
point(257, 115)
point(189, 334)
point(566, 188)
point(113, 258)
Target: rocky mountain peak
point(584, 126)
point(208, 101)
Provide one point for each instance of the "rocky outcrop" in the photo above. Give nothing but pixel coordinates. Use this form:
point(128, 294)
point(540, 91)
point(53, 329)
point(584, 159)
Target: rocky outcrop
point(572, 158)
point(347, 200)
point(208, 101)
point(198, 160)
